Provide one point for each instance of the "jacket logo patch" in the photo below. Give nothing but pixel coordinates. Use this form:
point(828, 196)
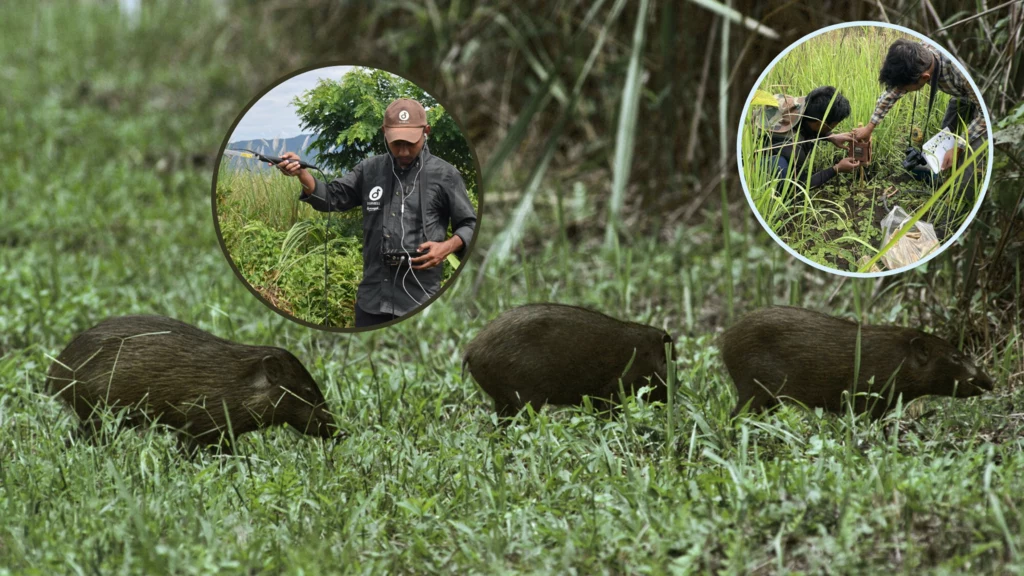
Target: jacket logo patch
point(373, 199)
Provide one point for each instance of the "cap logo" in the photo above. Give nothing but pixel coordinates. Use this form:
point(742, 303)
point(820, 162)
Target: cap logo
point(403, 116)
point(376, 193)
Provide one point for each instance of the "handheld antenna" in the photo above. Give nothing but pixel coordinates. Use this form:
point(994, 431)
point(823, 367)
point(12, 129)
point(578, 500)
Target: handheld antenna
point(910, 131)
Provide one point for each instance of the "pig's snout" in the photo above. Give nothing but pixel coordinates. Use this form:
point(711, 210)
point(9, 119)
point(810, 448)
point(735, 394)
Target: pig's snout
point(323, 424)
point(983, 381)
point(315, 421)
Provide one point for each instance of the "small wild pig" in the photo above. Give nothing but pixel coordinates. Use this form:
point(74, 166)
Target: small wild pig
point(167, 371)
point(809, 357)
point(557, 354)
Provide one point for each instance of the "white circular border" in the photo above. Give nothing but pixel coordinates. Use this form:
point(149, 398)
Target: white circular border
point(977, 203)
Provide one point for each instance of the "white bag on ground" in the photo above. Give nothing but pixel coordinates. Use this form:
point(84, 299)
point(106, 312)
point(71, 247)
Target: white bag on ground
point(913, 246)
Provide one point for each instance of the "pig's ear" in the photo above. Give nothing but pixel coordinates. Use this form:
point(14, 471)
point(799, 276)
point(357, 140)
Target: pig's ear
point(272, 370)
point(918, 352)
point(667, 339)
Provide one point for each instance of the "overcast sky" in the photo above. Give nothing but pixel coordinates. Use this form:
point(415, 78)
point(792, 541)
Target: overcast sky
point(273, 116)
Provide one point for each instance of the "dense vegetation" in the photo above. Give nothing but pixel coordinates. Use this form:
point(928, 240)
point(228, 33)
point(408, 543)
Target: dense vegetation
point(347, 114)
point(111, 128)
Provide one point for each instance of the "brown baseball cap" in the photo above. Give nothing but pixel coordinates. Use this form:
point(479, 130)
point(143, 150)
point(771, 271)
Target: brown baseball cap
point(405, 120)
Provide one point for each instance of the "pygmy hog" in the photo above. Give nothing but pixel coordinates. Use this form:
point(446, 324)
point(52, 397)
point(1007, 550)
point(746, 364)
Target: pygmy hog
point(167, 371)
point(553, 353)
point(809, 357)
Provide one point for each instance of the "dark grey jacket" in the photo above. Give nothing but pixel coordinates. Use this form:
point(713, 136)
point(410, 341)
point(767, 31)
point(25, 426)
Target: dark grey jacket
point(371, 184)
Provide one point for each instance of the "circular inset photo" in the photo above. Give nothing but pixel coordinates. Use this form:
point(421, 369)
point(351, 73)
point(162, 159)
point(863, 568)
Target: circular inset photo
point(346, 198)
point(864, 149)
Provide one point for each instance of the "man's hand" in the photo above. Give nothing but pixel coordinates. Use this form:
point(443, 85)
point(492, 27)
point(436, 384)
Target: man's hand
point(847, 165)
point(291, 168)
point(840, 139)
point(436, 252)
point(862, 133)
point(947, 160)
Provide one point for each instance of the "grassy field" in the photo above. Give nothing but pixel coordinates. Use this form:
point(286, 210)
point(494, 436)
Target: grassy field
point(277, 243)
point(838, 224)
point(104, 216)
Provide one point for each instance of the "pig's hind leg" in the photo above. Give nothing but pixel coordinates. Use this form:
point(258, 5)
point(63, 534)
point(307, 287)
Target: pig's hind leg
point(504, 409)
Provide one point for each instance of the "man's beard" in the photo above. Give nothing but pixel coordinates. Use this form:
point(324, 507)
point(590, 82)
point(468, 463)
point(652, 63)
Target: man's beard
point(399, 164)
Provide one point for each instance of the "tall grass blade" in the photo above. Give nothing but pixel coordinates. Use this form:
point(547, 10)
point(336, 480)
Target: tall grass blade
point(627, 125)
point(510, 236)
point(517, 132)
point(723, 148)
point(297, 237)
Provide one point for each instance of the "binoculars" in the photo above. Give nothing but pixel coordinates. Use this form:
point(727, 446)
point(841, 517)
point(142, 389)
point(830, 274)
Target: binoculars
point(913, 159)
point(917, 166)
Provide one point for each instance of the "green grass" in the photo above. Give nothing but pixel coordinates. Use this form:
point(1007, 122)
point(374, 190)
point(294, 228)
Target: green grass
point(423, 482)
point(277, 243)
point(838, 224)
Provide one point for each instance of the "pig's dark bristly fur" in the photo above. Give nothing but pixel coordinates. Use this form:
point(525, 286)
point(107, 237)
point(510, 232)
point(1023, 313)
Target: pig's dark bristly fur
point(556, 354)
point(167, 371)
point(807, 356)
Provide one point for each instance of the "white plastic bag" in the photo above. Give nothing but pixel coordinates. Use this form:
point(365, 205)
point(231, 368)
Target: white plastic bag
point(913, 246)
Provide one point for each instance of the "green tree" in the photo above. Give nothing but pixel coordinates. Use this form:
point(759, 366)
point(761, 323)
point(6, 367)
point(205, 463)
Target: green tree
point(348, 114)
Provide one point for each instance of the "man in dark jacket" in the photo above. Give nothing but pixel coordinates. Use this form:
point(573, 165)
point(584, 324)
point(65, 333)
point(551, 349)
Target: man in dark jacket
point(409, 197)
point(820, 112)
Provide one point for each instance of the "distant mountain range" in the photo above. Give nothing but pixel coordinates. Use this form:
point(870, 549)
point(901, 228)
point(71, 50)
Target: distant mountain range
point(273, 147)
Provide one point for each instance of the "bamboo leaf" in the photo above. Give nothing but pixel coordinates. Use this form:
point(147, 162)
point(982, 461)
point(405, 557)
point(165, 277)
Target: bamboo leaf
point(734, 15)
